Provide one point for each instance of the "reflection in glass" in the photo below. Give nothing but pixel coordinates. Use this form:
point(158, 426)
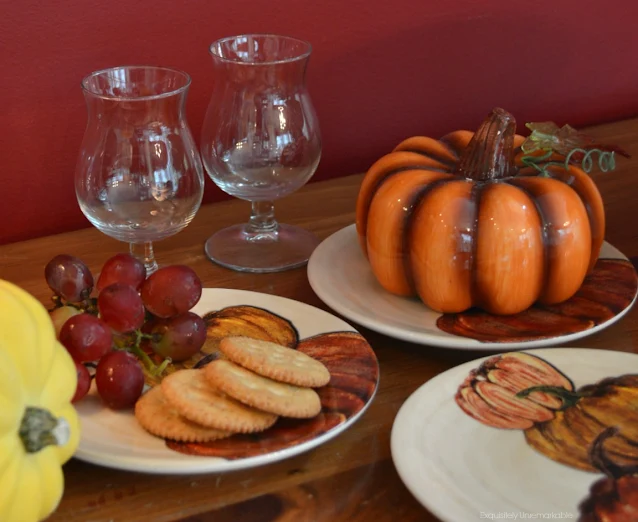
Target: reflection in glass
point(139, 177)
point(260, 142)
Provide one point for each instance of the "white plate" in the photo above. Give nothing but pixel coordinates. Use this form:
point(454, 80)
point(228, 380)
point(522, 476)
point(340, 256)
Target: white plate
point(341, 277)
point(114, 438)
point(459, 468)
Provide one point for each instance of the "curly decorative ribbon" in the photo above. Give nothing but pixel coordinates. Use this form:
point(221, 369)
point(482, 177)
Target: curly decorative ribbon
point(606, 161)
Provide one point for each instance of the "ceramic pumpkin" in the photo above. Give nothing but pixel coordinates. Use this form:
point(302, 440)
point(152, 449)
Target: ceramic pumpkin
point(38, 425)
point(461, 222)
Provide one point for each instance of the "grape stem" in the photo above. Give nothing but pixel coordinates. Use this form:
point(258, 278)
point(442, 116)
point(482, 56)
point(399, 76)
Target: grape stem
point(89, 305)
point(162, 367)
point(57, 302)
point(151, 367)
point(151, 337)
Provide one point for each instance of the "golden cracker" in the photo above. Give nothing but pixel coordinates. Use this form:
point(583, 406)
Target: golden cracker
point(159, 418)
point(277, 362)
point(261, 392)
point(194, 398)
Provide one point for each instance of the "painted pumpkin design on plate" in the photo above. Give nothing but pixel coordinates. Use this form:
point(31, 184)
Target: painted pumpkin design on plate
point(615, 497)
point(353, 368)
point(520, 391)
point(608, 290)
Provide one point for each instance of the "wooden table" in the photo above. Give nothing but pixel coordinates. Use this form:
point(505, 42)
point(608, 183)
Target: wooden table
point(351, 478)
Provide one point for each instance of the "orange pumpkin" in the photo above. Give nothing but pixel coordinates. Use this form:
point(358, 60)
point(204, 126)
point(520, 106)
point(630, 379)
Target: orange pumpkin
point(460, 222)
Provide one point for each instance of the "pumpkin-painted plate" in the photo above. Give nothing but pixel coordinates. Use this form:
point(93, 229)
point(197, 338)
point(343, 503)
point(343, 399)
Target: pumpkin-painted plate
point(462, 469)
point(115, 439)
point(341, 276)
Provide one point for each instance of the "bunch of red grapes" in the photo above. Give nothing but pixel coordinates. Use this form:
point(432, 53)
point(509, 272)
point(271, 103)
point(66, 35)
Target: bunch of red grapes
point(130, 311)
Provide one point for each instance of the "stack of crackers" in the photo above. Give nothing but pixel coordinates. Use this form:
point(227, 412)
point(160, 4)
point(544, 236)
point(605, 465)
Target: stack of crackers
point(246, 391)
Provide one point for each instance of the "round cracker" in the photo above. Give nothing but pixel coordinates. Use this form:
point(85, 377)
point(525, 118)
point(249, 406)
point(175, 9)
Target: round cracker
point(261, 392)
point(194, 398)
point(159, 418)
point(277, 362)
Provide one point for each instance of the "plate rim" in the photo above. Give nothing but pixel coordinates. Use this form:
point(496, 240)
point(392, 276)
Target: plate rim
point(444, 340)
point(193, 464)
point(414, 398)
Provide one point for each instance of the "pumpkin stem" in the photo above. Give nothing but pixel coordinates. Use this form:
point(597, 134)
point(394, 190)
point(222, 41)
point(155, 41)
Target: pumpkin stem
point(568, 397)
point(599, 459)
point(39, 429)
point(490, 153)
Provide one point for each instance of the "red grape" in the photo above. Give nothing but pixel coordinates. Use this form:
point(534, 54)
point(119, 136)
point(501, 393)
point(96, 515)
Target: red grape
point(179, 337)
point(122, 268)
point(119, 379)
point(171, 291)
point(121, 307)
point(69, 278)
point(84, 382)
point(61, 315)
point(86, 337)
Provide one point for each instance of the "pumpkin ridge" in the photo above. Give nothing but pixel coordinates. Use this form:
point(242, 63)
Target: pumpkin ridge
point(387, 215)
point(391, 173)
point(543, 219)
point(415, 202)
point(430, 148)
point(588, 432)
point(571, 455)
point(440, 266)
point(449, 164)
point(378, 173)
point(247, 313)
point(587, 191)
point(457, 140)
point(574, 428)
point(569, 236)
point(475, 197)
point(509, 278)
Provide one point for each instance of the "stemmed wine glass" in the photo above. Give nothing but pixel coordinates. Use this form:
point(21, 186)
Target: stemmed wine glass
point(260, 142)
point(139, 176)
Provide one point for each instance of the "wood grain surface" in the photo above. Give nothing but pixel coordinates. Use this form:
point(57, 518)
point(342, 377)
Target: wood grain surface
point(351, 478)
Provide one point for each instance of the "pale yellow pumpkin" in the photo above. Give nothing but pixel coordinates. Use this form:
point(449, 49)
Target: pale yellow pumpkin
point(39, 428)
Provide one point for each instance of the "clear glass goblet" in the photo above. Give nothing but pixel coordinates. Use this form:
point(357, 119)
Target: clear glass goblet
point(139, 176)
point(260, 142)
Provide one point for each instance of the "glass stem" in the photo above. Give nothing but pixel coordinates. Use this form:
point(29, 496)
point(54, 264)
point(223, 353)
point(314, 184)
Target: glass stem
point(262, 223)
point(144, 252)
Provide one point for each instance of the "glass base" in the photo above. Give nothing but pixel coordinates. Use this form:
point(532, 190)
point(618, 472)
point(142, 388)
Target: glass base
point(240, 249)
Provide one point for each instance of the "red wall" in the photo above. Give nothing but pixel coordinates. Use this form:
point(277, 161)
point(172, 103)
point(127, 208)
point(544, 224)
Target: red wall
point(381, 70)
